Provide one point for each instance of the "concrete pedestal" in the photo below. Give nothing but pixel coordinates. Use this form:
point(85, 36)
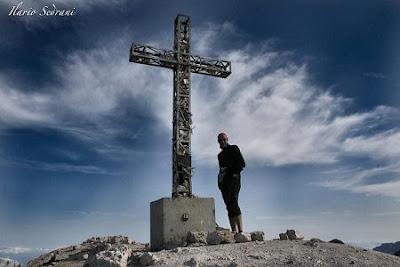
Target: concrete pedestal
point(172, 218)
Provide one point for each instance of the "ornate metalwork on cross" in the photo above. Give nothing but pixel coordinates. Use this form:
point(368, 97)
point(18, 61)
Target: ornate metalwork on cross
point(183, 63)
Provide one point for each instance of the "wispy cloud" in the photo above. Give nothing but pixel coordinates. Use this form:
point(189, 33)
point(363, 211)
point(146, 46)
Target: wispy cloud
point(54, 166)
point(358, 181)
point(208, 35)
point(20, 109)
point(92, 103)
point(388, 213)
point(390, 189)
point(385, 145)
point(270, 107)
point(374, 75)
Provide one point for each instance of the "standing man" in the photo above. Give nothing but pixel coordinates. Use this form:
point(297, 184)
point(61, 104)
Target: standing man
point(231, 163)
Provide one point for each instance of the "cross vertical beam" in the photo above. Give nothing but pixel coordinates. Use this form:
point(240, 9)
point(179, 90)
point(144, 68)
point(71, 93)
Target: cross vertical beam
point(182, 118)
point(183, 63)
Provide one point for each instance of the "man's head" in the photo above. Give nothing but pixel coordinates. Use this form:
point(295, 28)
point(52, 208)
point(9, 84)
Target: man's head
point(222, 140)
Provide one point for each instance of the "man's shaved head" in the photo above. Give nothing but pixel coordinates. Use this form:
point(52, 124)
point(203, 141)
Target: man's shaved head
point(222, 140)
point(222, 135)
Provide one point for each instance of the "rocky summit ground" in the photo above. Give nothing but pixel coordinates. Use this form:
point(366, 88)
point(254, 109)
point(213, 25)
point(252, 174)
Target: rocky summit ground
point(120, 251)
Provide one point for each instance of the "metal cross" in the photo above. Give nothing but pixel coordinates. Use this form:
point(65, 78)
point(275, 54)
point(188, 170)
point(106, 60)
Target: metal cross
point(182, 63)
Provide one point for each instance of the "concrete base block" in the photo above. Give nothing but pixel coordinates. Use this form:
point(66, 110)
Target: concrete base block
point(172, 218)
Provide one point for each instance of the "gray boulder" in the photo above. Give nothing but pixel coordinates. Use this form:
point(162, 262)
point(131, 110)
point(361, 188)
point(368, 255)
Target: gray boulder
point(242, 237)
point(220, 237)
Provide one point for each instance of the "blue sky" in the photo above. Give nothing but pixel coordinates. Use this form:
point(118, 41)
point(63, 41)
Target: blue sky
point(313, 103)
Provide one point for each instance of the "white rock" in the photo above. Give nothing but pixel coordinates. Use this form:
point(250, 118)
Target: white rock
point(115, 257)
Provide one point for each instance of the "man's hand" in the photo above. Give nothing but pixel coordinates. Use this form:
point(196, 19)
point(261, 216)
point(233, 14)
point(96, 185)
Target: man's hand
point(221, 175)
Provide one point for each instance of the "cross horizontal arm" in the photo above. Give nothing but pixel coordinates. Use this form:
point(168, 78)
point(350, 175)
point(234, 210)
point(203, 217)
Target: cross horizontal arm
point(208, 66)
point(152, 56)
point(166, 58)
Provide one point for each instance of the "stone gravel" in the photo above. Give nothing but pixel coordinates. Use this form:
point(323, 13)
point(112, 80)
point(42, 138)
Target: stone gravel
point(275, 253)
point(121, 252)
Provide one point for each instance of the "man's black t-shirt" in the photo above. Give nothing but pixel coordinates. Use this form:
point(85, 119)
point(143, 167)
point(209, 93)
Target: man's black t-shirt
point(231, 158)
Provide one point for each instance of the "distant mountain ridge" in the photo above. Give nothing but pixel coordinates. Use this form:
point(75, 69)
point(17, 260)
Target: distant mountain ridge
point(391, 248)
point(22, 254)
point(6, 262)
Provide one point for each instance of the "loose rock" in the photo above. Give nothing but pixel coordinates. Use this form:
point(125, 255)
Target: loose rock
point(316, 240)
point(258, 257)
point(242, 237)
point(337, 241)
point(313, 242)
point(294, 235)
point(192, 262)
point(177, 250)
point(283, 236)
point(257, 236)
point(196, 237)
point(116, 257)
point(147, 259)
point(220, 237)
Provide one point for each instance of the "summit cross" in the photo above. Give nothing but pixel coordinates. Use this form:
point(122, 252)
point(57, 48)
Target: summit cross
point(183, 63)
